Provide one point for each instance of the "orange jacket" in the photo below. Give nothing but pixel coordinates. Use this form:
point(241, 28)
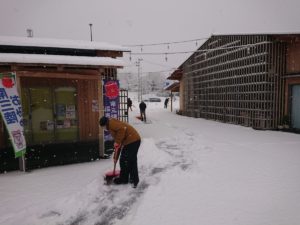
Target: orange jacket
point(122, 132)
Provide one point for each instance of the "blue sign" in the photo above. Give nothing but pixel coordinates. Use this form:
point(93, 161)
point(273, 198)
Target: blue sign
point(111, 102)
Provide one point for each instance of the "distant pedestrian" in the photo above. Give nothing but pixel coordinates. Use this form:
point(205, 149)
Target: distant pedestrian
point(129, 104)
point(166, 102)
point(143, 111)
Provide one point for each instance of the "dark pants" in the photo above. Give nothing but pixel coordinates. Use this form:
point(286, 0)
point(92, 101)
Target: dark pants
point(143, 115)
point(128, 163)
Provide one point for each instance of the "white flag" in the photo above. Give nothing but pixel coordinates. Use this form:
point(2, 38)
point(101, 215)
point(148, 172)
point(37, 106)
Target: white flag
point(11, 112)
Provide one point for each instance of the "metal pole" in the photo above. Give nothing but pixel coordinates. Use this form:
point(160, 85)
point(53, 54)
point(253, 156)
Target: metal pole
point(22, 164)
point(22, 160)
point(138, 64)
point(91, 31)
point(138, 81)
point(171, 101)
point(141, 83)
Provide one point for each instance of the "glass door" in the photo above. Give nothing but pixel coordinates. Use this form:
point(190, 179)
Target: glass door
point(41, 115)
point(66, 122)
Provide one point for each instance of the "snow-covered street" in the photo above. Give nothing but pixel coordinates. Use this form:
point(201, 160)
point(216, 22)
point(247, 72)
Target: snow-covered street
point(193, 171)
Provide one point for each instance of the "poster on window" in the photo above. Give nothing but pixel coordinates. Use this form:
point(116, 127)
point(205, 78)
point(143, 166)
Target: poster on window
point(111, 102)
point(61, 110)
point(11, 112)
point(70, 112)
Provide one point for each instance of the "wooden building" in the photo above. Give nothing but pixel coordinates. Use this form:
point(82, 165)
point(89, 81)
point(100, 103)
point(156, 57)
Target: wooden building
point(251, 80)
point(60, 84)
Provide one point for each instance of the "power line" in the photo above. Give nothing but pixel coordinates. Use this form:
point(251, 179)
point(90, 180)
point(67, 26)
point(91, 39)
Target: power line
point(161, 71)
point(153, 63)
point(160, 53)
point(157, 64)
point(199, 50)
point(166, 43)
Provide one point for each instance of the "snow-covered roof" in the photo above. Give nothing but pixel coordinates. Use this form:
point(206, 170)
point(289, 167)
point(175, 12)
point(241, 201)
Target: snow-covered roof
point(60, 43)
point(170, 83)
point(59, 59)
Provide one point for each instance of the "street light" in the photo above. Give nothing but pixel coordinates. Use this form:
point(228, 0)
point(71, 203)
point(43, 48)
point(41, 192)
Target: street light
point(91, 32)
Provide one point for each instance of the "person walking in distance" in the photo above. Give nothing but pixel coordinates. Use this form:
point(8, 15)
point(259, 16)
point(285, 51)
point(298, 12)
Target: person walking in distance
point(143, 111)
point(166, 102)
point(129, 104)
point(126, 144)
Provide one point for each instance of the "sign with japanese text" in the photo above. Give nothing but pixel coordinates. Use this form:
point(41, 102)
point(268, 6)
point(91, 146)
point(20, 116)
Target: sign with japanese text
point(11, 112)
point(111, 101)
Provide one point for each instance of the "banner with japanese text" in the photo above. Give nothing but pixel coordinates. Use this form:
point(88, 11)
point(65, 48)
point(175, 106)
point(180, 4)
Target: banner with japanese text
point(11, 112)
point(111, 102)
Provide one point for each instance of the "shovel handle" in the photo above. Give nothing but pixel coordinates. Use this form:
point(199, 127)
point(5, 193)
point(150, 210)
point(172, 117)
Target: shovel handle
point(116, 154)
point(114, 168)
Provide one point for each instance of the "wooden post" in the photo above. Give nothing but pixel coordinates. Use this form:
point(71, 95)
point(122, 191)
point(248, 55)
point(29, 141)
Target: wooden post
point(101, 113)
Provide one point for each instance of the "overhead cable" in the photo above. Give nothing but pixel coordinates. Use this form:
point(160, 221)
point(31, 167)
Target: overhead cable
point(199, 50)
point(166, 43)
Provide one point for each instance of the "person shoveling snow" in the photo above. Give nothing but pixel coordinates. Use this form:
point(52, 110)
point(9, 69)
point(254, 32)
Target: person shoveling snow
point(127, 143)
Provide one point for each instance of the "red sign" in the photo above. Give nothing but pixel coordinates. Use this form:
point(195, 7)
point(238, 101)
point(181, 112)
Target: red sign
point(7, 82)
point(111, 89)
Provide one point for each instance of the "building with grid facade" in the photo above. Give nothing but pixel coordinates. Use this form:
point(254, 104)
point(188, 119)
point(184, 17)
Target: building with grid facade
point(242, 79)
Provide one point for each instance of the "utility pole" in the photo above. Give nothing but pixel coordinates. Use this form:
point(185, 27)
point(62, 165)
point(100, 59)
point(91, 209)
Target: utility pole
point(138, 64)
point(91, 31)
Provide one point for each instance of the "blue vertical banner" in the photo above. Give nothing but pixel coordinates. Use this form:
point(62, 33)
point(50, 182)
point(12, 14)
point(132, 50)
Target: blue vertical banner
point(111, 102)
point(11, 112)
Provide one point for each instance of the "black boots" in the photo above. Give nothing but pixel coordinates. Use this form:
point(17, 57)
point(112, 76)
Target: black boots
point(118, 181)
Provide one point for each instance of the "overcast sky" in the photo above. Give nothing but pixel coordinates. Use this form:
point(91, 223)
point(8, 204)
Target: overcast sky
point(132, 22)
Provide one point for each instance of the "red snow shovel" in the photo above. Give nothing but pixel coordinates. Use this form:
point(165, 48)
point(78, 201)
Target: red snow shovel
point(110, 175)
